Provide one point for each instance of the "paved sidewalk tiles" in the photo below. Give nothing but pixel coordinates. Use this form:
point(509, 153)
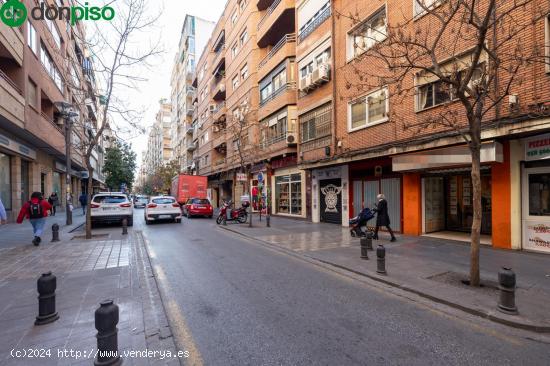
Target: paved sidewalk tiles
point(432, 268)
point(87, 273)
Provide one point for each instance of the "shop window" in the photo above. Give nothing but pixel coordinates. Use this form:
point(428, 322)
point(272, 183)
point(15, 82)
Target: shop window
point(368, 110)
point(5, 181)
point(367, 34)
point(539, 194)
point(288, 194)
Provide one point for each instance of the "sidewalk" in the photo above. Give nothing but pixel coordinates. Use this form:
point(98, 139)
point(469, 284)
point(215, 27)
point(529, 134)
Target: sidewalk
point(87, 272)
point(13, 234)
point(430, 267)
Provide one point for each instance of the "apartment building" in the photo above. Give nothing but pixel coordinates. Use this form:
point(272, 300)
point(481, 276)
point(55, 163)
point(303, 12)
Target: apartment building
point(41, 63)
point(159, 145)
point(194, 36)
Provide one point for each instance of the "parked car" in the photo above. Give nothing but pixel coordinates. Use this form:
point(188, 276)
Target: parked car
point(109, 207)
point(162, 207)
point(140, 201)
point(198, 207)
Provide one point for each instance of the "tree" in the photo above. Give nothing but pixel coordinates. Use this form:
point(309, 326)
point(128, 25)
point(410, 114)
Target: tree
point(120, 165)
point(473, 49)
point(161, 180)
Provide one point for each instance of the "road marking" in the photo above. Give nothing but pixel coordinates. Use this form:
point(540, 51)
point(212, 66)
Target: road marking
point(183, 334)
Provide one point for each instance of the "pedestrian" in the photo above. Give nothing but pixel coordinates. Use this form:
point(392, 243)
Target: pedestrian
point(3, 214)
point(84, 202)
point(53, 200)
point(382, 217)
point(36, 210)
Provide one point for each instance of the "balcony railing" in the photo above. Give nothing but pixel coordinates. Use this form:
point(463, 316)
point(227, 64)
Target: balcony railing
point(219, 162)
point(49, 119)
point(291, 85)
point(10, 82)
point(289, 38)
point(314, 24)
point(218, 107)
point(268, 12)
point(275, 139)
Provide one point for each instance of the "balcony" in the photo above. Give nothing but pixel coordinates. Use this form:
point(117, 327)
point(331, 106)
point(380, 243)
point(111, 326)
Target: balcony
point(219, 142)
point(192, 147)
point(12, 41)
point(314, 24)
point(218, 111)
point(277, 21)
point(189, 130)
point(283, 49)
point(219, 163)
point(284, 143)
point(218, 89)
point(13, 103)
point(190, 92)
point(280, 98)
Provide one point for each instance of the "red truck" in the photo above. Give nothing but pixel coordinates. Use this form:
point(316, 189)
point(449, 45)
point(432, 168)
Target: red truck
point(189, 186)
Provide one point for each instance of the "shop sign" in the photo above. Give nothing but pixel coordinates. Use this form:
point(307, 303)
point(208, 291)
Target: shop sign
point(537, 147)
point(17, 147)
point(537, 235)
point(327, 173)
point(284, 162)
point(241, 177)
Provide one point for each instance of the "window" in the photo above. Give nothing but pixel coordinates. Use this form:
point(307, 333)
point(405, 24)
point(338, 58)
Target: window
point(53, 30)
point(368, 110)
point(242, 4)
point(32, 41)
point(235, 82)
point(206, 137)
point(234, 17)
point(421, 5)
point(266, 92)
point(32, 97)
point(50, 67)
point(243, 37)
point(5, 180)
point(316, 123)
point(432, 94)
point(235, 50)
point(372, 31)
point(244, 72)
point(279, 80)
point(206, 159)
point(322, 58)
point(306, 70)
point(539, 199)
point(311, 16)
point(288, 194)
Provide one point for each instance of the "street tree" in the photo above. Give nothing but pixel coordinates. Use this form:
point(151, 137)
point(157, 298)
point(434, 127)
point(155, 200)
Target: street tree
point(120, 166)
point(471, 51)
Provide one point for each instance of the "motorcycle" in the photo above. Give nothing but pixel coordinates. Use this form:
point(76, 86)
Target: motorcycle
point(359, 222)
point(228, 214)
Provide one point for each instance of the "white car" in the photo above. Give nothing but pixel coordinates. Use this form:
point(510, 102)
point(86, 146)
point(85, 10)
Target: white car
point(111, 207)
point(162, 207)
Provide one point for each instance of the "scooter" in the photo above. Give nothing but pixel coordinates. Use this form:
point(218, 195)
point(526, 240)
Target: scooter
point(360, 221)
point(227, 214)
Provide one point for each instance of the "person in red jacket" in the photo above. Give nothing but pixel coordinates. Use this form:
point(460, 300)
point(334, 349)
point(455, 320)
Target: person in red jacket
point(36, 210)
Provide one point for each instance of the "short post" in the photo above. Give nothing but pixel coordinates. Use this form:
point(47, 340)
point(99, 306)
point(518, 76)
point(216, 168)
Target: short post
point(106, 320)
point(364, 248)
point(370, 235)
point(268, 220)
point(46, 286)
point(507, 287)
point(381, 259)
point(124, 226)
point(55, 233)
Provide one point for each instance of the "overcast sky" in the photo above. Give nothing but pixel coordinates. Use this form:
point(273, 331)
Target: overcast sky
point(168, 30)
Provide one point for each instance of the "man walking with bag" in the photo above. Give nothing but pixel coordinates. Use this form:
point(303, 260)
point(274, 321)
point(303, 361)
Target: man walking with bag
point(36, 210)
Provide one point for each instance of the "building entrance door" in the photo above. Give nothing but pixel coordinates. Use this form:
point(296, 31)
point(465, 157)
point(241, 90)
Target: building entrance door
point(331, 200)
point(536, 209)
point(434, 204)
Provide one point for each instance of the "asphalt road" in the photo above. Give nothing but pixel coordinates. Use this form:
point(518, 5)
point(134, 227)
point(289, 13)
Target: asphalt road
point(231, 301)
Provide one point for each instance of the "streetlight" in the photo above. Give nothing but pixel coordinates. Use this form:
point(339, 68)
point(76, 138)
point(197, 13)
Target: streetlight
point(68, 113)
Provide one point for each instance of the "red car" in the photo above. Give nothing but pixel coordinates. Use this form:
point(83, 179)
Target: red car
point(198, 207)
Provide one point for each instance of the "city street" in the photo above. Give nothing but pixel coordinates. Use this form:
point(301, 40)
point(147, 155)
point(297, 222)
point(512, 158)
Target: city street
point(234, 301)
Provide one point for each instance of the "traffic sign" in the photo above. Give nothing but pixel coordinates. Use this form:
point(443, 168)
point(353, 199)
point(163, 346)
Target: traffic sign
point(260, 177)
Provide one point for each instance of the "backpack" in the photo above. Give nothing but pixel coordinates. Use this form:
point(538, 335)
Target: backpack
point(35, 210)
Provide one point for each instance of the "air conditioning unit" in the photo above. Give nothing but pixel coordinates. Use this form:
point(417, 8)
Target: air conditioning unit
point(212, 108)
point(315, 76)
point(324, 72)
point(305, 83)
point(291, 138)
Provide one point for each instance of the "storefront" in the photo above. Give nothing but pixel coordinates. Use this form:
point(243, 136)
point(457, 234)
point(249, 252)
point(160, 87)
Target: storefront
point(330, 189)
point(5, 180)
point(370, 178)
point(535, 183)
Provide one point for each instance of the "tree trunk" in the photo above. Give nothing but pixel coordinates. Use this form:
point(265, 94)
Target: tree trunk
point(475, 148)
point(89, 206)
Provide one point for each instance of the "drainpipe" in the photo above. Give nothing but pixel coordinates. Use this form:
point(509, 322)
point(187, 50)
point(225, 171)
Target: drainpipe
point(333, 71)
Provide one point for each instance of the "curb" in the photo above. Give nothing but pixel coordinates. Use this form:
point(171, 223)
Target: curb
point(384, 279)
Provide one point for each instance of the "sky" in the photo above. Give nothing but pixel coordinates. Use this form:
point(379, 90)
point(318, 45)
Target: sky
point(168, 30)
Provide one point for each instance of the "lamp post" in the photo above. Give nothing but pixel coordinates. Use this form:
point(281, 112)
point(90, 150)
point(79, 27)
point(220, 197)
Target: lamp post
point(68, 113)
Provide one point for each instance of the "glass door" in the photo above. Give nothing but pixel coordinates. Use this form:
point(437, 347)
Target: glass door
point(536, 209)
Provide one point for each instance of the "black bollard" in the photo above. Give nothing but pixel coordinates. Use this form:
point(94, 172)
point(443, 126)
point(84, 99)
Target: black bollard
point(125, 226)
point(46, 286)
point(267, 221)
point(364, 248)
point(106, 320)
point(370, 235)
point(507, 287)
point(55, 233)
point(381, 259)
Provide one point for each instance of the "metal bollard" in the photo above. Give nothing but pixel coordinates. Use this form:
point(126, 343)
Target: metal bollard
point(370, 235)
point(381, 259)
point(106, 320)
point(46, 286)
point(507, 287)
point(124, 226)
point(267, 221)
point(364, 248)
point(55, 233)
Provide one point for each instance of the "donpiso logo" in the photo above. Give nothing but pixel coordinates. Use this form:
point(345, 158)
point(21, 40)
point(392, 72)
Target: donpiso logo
point(14, 13)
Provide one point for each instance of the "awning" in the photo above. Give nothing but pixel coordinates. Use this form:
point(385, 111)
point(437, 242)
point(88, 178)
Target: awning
point(446, 157)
